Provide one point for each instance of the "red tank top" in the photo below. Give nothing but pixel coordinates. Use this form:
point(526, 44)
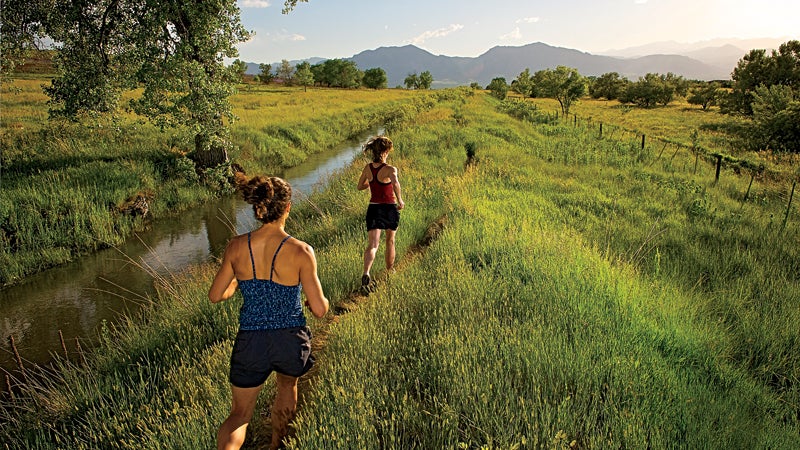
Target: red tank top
point(381, 192)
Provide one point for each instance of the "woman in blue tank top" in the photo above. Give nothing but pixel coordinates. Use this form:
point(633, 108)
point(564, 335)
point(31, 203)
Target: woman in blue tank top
point(271, 269)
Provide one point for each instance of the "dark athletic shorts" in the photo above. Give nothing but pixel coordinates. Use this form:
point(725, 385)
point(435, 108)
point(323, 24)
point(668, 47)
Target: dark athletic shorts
point(256, 354)
point(382, 216)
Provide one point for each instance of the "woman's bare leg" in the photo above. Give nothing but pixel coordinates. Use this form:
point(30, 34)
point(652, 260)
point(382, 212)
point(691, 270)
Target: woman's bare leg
point(284, 408)
point(374, 239)
point(390, 249)
point(232, 431)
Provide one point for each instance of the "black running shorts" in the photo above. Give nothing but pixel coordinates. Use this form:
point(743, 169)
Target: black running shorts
point(256, 354)
point(382, 216)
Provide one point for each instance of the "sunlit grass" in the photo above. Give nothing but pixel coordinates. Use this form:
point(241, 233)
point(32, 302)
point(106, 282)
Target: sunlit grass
point(582, 294)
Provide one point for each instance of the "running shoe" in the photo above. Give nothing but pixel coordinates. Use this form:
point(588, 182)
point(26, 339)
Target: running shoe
point(366, 284)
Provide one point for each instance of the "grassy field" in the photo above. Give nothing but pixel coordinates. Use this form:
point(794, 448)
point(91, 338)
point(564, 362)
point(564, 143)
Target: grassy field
point(678, 124)
point(67, 187)
point(580, 293)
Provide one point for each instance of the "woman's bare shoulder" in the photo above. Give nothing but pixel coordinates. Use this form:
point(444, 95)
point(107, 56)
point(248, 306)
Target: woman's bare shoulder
point(300, 248)
point(235, 242)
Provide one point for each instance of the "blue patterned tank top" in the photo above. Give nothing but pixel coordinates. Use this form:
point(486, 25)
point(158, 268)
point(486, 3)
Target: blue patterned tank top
point(269, 305)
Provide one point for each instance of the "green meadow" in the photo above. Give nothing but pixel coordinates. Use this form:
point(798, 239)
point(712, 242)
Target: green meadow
point(556, 290)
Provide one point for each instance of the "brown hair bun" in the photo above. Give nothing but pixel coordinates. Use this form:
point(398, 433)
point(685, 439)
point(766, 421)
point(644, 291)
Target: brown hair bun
point(270, 196)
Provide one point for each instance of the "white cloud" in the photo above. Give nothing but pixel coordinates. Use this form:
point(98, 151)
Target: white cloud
point(283, 36)
point(441, 32)
point(254, 4)
point(511, 36)
point(528, 20)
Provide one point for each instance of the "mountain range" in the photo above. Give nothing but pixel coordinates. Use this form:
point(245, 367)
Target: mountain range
point(713, 62)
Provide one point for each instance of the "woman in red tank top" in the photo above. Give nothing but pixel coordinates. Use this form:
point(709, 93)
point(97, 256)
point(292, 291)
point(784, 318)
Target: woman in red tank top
point(386, 201)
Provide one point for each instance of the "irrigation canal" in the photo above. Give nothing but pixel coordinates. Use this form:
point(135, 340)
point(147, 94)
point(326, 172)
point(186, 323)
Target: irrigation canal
point(77, 297)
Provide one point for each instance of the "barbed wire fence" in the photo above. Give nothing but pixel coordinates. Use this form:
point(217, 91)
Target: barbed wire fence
point(772, 183)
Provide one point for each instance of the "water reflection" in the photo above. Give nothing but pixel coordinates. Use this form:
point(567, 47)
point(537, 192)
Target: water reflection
point(77, 297)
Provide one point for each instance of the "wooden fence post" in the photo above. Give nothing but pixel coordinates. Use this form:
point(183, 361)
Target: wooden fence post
point(642, 141)
point(719, 165)
point(789, 206)
point(601, 130)
point(747, 194)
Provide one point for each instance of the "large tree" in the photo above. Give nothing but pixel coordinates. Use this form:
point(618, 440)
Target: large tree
point(285, 72)
point(523, 84)
point(608, 85)
point(337, 73)
point(173, 50)
point(757, 68)
point(650, 90)
point(411, 81)
point(266, 75)
point(425, 80)
point(564, 84)
point(704, 95)
point(303, 75)
point(375, 78)
point(498, 87)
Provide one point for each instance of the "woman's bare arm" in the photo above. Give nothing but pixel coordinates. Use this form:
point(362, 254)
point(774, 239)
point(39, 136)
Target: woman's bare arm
point(312, 288)
point(224, 285)
point(363, 182)
point(396, 188)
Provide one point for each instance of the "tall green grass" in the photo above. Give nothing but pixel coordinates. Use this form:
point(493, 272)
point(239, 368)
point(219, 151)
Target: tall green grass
point(582, 295)
point(551, 314)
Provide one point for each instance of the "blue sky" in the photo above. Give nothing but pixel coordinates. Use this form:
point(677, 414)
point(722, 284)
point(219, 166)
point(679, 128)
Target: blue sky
point(342, 28)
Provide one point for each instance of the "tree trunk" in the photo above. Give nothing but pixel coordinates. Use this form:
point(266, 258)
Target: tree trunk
point(207, 152)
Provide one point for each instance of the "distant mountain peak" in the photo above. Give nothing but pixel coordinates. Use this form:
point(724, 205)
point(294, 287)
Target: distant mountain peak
point(708, 60)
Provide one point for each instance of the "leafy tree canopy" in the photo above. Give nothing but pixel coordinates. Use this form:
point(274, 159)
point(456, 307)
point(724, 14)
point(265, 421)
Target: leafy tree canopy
point(654, 89)
point(173, 50)
point(524, 84)
point(704, 95)
point(411, 81)
point(303, 75)
point(757, 68)
point(285, 72)
point(337, 73)
point(375, 78)
point(265, 76)
point(425, 80)
point(498, 87)
point(564, 84)
point(608, 86)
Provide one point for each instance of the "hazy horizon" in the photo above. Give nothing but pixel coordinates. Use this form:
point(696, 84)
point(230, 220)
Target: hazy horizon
point(469, 28)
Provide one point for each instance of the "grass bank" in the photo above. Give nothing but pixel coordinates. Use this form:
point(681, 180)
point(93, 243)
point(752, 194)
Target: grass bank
point(582, 294)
